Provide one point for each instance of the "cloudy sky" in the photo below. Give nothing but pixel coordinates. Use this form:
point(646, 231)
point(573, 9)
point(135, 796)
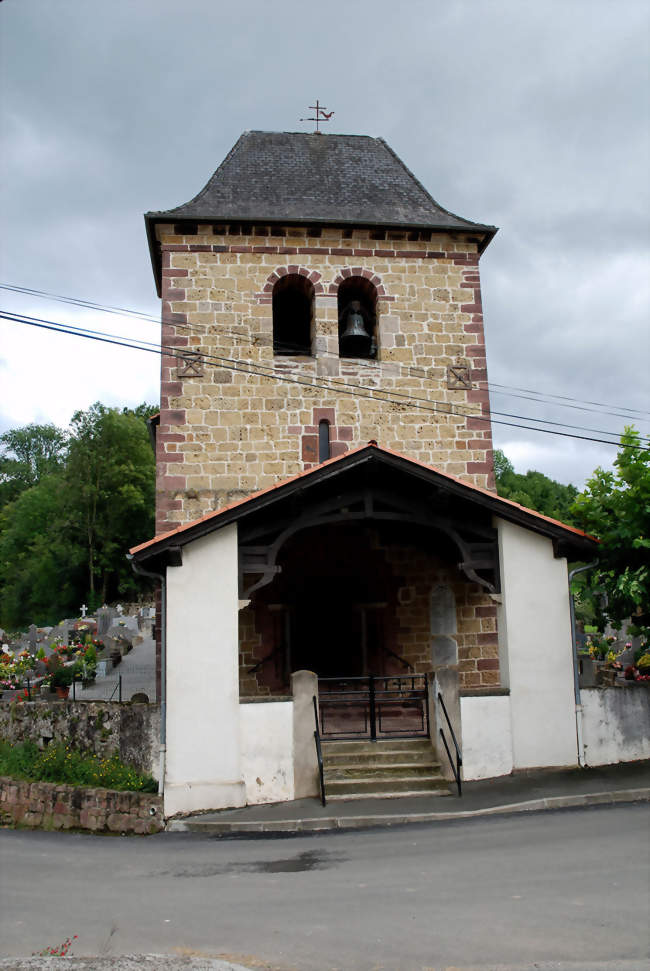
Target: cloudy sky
point(529, 116)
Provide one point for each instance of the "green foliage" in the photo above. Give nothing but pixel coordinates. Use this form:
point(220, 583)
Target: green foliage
point(63, 538)
point(615, 507)
point(534, 490)
point(26, 455)
point(41, 568)
point(60, 763)
point(62, 677)
point(111, 473)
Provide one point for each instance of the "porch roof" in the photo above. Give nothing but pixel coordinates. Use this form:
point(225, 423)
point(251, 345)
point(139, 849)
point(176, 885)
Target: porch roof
point(569, 541)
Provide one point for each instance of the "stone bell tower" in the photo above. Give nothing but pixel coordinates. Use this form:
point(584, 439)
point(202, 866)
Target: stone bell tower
point(315, 297)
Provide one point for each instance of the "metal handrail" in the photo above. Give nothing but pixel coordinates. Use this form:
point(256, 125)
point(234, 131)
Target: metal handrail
point(269, 657)
point(319, 755)
point(459, 758)
point(398, 657)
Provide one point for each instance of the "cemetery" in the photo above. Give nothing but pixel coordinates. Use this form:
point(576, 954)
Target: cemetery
point(278, 760)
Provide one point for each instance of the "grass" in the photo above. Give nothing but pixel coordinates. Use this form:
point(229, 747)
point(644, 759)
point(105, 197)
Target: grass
point(60, 763)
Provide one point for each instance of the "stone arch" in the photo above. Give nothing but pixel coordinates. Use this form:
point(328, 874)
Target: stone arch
point(360, 271)
point(293, 269)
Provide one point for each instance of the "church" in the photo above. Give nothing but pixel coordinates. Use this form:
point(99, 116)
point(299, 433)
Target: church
point(327, 528)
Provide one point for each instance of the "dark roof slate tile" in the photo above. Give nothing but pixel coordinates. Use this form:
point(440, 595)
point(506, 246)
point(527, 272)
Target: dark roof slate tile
point(309, 178)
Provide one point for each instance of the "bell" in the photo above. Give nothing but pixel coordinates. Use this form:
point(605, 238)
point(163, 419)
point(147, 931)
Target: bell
point(355, 339)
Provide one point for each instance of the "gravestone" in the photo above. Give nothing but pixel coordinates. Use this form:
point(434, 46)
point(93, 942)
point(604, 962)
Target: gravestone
point(32, 638)
point(626, 657)
point(105, 617)
point(444, 650)
point(443, 610)
point(104, 666)
point(62, 631)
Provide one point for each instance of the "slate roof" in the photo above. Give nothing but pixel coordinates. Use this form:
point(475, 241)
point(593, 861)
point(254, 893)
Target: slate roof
point(294, 177)
point(574, 542)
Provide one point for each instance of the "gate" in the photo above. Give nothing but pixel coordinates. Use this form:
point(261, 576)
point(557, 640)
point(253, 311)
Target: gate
point(373, 707)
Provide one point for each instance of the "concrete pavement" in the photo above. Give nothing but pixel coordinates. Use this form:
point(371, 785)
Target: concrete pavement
point(568, 888)
point(527, 791)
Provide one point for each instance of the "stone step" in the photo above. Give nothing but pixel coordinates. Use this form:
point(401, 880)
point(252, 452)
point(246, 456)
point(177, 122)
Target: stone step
point(352, 796)
point(363, 787)
point(382, 745)
point(396, 769)
point(383, 757)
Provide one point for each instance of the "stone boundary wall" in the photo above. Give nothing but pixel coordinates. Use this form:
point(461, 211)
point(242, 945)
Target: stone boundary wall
point(51, 805)
point(616, 723)
point(91, 727)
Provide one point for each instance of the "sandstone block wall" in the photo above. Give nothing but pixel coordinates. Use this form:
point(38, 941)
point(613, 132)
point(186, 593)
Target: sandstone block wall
point(476, 618)
point(49, 805)
point(403, 623)
point(229, 426)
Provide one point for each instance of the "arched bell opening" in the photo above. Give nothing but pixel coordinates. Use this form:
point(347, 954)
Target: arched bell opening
point(357, 314)
point(293, 312)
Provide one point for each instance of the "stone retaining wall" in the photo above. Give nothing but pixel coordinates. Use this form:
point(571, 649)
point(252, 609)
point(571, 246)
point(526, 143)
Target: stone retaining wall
point(91, 727)
point(51, 805)
point(616, 723)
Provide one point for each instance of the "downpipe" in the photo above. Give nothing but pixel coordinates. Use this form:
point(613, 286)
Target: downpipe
point(576, 667)
point(163, 664)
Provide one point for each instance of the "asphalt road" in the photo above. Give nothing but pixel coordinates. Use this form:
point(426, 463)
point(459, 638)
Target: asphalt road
point(557, 887)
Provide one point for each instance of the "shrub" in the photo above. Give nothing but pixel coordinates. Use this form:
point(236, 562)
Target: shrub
point(61, 677)
point(61, 763)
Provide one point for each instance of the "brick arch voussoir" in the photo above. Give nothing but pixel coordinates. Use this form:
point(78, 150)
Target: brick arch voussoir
point(351, 271)
point(292, 269)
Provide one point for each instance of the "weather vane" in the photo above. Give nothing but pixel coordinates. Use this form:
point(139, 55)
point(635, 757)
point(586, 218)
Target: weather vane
point(321, 115)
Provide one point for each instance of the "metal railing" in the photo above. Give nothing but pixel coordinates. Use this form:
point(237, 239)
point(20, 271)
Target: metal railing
point(121, 689)
point(459, 758)
point(319, 754)
point(376, 706)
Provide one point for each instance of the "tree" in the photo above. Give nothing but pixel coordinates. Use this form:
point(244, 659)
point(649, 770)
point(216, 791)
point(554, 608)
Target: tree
point(615, 507)
point(110, 477)
point(26, 455)
point(534, 490)
point(63, 538)
point(41, 569)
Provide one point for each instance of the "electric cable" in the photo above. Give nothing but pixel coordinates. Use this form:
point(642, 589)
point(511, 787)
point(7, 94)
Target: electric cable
point(538, 397)
point(258, 370)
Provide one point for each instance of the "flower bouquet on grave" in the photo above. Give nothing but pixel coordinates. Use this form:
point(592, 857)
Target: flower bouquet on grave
point(61, 679)
point(599, 647)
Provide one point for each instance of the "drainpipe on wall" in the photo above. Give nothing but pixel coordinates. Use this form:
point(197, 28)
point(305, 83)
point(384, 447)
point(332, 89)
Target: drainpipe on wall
point(576, 670)
point(163, 663)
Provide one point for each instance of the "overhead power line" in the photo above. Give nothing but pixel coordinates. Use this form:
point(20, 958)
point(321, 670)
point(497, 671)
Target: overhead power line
point(361, 391)
point(561, 401)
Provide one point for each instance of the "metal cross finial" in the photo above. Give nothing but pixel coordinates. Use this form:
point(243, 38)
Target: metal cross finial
point(321, 115)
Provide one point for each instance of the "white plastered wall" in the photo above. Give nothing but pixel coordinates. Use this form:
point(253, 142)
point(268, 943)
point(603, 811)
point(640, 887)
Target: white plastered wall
point(203, 769)
point(535, 623)
point(616, 724)
point(487, 736)
point(267, 751)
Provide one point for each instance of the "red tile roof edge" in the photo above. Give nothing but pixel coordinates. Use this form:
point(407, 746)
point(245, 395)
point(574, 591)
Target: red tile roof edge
point(338, 458)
